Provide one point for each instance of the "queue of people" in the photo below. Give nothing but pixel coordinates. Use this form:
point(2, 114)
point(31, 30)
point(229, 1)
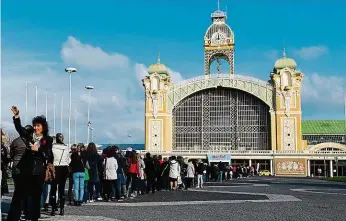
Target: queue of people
point(41, 166)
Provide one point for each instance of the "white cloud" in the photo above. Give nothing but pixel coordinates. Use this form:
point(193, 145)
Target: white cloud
point(176, 76)
point(141, 72)
point(90, 57)
point(323, 91)
point(311, 52)
point(116, 103)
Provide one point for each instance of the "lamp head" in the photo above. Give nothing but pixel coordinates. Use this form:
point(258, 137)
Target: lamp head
point(70, 70)
point(89, 87)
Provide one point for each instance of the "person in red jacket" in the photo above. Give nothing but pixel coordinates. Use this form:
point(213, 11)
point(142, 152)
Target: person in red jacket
point(132, 174)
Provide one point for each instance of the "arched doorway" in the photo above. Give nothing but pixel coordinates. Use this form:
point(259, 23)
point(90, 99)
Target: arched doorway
point(221, 119)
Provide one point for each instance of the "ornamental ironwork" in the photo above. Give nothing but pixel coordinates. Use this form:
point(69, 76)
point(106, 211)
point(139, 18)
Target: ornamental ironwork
point(258, 88)
point(221, 119)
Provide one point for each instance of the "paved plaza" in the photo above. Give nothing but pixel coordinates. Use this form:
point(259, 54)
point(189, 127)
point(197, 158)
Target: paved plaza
point(257, 198)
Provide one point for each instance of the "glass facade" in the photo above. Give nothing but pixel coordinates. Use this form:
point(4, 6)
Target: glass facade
point(221, 119)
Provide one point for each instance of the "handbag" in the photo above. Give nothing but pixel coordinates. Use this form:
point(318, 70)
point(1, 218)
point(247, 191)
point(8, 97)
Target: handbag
point(50, 170)
point(50, 173)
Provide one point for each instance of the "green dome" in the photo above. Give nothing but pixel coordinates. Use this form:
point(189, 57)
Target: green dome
point(285, 63)
point(158, 68)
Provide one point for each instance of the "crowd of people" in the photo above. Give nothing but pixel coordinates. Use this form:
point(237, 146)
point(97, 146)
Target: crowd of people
point(41, 166)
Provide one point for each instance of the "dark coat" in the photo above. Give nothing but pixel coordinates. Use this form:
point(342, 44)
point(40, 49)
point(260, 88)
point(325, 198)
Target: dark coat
point(95, 163)
point(123, 165)
point(34, 162)
point(17, 150)
point(76, 164)
point(149, 167)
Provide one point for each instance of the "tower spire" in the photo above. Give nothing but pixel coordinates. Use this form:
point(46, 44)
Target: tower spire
point(218, 5)
point(284, 52)
point(158, 58)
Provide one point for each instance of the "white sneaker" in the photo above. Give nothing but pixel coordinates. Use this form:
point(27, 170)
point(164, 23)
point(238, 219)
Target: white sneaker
point(99, 199)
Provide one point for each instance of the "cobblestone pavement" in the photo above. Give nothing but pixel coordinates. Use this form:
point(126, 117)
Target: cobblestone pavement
point(257, 198)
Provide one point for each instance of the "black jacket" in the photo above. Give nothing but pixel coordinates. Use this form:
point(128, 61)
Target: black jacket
point(17, 150)
point(123, 165)
point(76, 164)
point(200, 168)
point(34, 162)
point(149, 167)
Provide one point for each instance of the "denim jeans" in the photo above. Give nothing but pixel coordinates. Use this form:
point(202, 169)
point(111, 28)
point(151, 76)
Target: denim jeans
point(78, 182)
point(120, 181)
point(86, 194)
point(220, 176)
point(45, 194)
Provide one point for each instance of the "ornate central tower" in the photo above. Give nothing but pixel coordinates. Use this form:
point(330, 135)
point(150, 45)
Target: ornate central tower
point(218, 42)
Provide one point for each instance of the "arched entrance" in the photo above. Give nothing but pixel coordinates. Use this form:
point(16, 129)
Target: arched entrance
point(221, 119)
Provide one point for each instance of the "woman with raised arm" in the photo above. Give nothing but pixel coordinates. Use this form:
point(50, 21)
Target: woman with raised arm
point(32, 166)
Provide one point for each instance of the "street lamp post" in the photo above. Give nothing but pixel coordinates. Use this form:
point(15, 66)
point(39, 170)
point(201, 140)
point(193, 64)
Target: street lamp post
point(26, 102)
point(92, 134)
point(75, 126)
point(70, 71)
point(89, 88)
point(36, 100)
point(46, 104)
point(61, 114)
point(54, 113)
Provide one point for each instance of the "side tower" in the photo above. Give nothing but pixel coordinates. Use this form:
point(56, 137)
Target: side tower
point(218, 42)
point(287, 103)
point(158, 121)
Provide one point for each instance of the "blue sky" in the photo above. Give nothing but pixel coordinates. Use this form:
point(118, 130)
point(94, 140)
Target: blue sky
point(111, 43)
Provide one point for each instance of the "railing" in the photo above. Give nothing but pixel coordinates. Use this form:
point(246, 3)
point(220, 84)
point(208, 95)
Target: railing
point(225, 76)
point(249, 152)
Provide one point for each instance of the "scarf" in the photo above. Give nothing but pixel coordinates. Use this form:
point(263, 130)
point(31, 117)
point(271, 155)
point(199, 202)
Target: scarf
point(37, 139)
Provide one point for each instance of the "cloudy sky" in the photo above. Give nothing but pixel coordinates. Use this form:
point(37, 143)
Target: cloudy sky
point(111, 43)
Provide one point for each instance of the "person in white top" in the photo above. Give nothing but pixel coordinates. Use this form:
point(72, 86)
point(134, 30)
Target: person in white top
point(110, 165)
point(190, 174)
point(174, 172)
point(61, 163)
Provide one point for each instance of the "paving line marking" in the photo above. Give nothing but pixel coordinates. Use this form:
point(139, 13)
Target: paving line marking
point(250, 185)
point(260, 185)
point(223, 186)
point(269, 195)
point(272, 198)
point(180, 203)
point(317, 192)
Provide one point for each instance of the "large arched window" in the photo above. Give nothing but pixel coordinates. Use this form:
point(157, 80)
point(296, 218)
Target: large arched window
point(221, 119)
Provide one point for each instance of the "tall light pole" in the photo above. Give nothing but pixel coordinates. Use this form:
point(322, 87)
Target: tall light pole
point(89, 88)
point(92, 133)
point(36, 100)
point(70, 71)
point(26, 102)
point(54, 113)
point(61, 114)
point(75, 126)
point(47, 105)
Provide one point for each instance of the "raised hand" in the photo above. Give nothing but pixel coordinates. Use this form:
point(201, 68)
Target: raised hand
point(15, 110)
point(34, 147)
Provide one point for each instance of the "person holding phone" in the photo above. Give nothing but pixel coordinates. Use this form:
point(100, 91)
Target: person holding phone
point(32, 166)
